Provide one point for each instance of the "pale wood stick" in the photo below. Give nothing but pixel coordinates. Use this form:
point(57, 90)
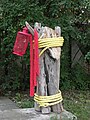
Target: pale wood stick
point(31, 30)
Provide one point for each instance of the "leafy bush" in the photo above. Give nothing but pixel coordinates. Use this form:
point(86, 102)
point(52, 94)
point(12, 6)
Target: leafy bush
point(72, 16)
point(80, 79)
point(23, 101)
point(87, 57)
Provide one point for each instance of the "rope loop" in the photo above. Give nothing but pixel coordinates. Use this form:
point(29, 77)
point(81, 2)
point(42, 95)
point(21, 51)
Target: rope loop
point(46, 43)
point(45, 101)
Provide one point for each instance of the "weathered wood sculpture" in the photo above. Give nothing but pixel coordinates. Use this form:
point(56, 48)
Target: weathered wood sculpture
point(48, 80)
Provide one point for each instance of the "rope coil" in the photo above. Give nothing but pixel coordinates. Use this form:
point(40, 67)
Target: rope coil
point(50, 42)
point(48, 100)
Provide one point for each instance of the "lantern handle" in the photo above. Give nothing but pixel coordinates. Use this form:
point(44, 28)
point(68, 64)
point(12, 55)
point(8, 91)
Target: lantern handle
point(31, 30)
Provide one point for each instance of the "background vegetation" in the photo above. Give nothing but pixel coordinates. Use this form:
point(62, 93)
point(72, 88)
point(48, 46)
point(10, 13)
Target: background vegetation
point(73, 18)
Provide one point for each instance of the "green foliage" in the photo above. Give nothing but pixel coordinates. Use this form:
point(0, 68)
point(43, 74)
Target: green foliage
point(78, 102)
point(23, 101)
point(80, 80)
point(26, 104)
point(12, 80)
point(87, 56)
point(71, 15)
point(18, 97)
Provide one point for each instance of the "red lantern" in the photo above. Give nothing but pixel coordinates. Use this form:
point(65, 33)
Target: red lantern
point(21, 42)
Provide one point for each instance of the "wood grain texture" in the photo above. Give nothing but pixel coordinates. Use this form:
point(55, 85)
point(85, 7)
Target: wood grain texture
point(53, 77)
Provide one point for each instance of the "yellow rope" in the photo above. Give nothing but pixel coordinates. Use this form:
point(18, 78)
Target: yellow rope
point(48, 100)
point(46, 43)
point(45, 101)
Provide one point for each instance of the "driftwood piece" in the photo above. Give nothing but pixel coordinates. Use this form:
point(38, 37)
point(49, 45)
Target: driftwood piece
point(52, 64)
point(41, 80)
point(42, 86)
point(53, 69)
